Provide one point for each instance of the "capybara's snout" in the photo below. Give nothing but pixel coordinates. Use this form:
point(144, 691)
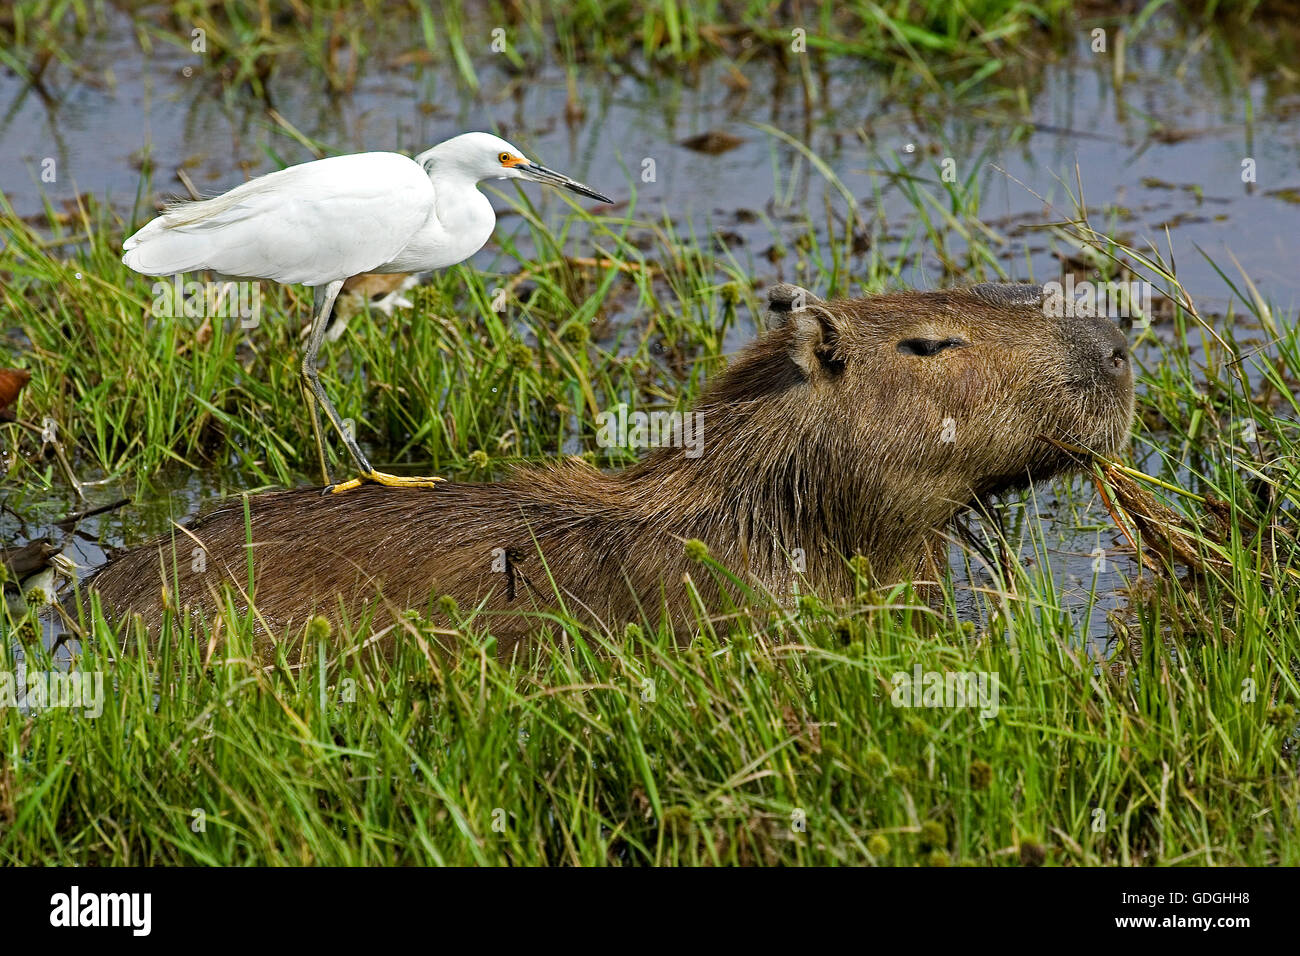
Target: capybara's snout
point(1098, 353)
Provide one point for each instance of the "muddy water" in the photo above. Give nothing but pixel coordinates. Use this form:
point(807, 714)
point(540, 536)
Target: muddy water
point(1164, 150)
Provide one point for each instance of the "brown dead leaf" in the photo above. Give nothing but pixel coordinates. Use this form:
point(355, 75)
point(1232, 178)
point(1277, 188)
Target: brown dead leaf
point(712, 142)
point(12, 381)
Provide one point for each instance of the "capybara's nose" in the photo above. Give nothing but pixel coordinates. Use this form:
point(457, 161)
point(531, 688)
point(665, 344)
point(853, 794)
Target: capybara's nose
point(1099, 347)
point(1115, 356)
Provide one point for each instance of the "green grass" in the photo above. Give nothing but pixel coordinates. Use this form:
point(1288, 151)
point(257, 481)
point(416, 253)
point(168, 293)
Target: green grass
point(932, 38)
point(770, 736)
point(769, 739)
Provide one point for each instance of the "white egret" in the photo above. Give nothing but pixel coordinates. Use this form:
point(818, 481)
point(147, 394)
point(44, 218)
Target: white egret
point(320, 223)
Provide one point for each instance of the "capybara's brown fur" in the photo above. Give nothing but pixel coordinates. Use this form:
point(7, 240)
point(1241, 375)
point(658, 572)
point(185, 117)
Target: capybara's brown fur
point(853, 427)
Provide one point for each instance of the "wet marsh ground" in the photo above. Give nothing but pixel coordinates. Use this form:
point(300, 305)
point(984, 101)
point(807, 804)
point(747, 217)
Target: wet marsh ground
point(1147, 708)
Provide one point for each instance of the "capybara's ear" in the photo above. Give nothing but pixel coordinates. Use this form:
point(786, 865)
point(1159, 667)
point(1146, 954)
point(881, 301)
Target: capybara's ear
point(790, 298)
point(816, 335)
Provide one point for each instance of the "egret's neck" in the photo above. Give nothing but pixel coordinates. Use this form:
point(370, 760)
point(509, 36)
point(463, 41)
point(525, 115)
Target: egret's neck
point(457, 197)
point(462, 219)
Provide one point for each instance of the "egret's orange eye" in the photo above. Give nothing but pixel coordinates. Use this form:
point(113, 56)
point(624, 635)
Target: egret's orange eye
point(504, 159)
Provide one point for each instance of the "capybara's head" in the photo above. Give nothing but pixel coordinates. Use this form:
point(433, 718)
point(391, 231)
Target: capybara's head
point(934, 398)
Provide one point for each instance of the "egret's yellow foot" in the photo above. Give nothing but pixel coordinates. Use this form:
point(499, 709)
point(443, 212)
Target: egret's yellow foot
point(379, 478)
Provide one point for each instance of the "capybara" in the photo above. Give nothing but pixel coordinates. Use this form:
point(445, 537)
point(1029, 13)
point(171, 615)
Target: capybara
point(852, 427)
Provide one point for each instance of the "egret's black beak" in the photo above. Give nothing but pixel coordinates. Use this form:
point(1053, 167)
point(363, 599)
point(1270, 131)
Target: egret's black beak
point(540, 174)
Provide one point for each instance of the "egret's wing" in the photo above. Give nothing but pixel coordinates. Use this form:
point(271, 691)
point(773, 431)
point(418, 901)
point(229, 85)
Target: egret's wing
point(312, 224)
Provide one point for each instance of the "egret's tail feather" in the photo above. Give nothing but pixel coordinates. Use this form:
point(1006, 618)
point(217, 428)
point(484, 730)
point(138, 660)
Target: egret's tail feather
point(157, 250)
point(311, 224)
point(176, 241)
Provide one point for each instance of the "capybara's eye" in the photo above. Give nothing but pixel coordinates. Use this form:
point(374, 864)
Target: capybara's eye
point(929, 346)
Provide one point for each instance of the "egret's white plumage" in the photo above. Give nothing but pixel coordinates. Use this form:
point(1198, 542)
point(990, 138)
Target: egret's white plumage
point(309, 224)
point(322, 222)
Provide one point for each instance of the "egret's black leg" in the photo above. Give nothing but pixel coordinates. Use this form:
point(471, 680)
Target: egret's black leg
point(322, 305)
point(316, 435)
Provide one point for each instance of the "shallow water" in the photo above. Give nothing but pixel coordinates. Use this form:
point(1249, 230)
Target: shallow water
point(1165, 150)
